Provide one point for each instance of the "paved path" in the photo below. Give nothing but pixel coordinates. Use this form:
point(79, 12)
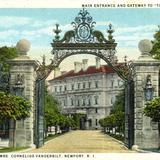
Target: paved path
point(82, 142)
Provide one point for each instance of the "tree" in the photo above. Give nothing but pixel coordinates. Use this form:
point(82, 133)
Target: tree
point(117, 117)
point(52, 113)
point(152, 109)
point(156, 45)
point(119, 104)
point(77, 118)
point(66, 122)
point(120, 121)
point(7, 53)
point(13, 107)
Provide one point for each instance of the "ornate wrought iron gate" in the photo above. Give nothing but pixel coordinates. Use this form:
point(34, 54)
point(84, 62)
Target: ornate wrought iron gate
point(83, 39)
point(39, 121)
point(129, 113)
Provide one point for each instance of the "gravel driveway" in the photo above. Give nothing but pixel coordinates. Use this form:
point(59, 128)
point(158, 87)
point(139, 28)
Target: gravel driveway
point(82, 142)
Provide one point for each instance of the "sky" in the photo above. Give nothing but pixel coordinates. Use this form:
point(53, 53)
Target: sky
point(36, 25)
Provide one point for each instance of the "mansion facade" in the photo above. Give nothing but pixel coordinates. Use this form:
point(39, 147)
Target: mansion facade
point(89, 90)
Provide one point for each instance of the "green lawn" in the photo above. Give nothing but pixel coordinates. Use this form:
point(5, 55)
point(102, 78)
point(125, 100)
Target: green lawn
point(9, 149)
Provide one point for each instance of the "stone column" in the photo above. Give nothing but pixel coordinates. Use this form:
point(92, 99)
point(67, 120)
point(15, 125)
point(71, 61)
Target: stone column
point(146, 132)
point(23, 75)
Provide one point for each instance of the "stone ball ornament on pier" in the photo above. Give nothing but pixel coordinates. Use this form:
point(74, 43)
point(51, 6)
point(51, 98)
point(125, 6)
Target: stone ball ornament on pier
point(23, 46)
point(145, 46)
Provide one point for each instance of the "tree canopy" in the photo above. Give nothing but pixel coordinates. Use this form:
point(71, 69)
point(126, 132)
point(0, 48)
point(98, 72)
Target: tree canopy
point(156, 45)
point(51, 110)
point(117, 116)
point(53, 115)
point(13, 107)
point(7, 53)
point(152, 109)
point(119, 104)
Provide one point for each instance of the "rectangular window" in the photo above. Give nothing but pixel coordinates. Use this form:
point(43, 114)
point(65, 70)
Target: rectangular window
point(72, 87)
point(71, 102)
point(65, 87)
point(96, 84)
point(96, 122)
point(55, 89)
point(78, 85)
point(96, 110)
point(112, 100)
point(78, 102)
point(83, 102)
point(112, 83)
point(89, 102)
point(120, 83)
point(64, 102)
point(96, 100)
point(84, 85)
point(60, 88)
point(89, 84)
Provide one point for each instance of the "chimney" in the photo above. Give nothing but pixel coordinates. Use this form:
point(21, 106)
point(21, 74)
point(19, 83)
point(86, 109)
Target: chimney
point(97, 62)
point(84, 64)
point(57, 72)
point(77, 66)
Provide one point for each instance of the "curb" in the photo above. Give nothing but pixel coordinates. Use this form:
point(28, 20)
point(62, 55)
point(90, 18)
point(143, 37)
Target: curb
point(120, 142)
point(137, 150)
point(143, 151)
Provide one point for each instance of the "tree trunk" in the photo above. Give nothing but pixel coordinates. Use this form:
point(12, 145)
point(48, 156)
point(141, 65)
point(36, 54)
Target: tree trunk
point(159, 132)
point(14, 129)
point(55, 129)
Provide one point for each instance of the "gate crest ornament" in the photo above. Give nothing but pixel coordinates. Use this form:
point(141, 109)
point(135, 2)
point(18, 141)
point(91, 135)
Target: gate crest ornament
point(83, 27)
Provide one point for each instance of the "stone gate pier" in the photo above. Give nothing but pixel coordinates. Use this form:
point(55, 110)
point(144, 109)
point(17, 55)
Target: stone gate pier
point(22, 83)
point(146, 82)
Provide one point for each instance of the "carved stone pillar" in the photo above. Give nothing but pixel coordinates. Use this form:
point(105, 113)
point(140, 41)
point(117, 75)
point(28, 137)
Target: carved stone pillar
point(22, 83)
point(146, 76)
